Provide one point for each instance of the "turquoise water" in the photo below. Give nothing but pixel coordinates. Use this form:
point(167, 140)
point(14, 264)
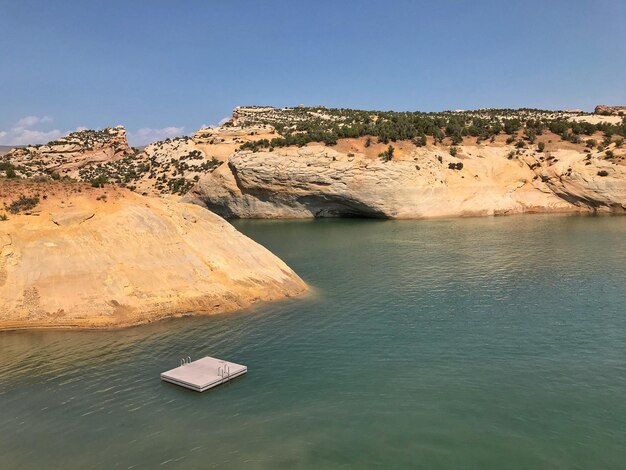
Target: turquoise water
point(491, 343)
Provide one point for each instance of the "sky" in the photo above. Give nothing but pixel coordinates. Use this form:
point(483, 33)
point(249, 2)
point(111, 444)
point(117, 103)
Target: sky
point(166, 68)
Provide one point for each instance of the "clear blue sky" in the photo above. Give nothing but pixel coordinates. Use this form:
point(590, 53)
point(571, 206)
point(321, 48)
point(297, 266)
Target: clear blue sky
point(181, 64)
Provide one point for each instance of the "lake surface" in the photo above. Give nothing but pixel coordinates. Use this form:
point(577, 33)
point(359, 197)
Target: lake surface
point(488, 343)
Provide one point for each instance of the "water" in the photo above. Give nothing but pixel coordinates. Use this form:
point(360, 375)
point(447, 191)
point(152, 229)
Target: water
point(485, 343)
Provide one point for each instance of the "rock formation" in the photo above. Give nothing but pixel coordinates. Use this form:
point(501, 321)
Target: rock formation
point(320, 162)
point(67, 155)
point(317, 181)
point(608, 110)
point(75, 256)
point(170, 166)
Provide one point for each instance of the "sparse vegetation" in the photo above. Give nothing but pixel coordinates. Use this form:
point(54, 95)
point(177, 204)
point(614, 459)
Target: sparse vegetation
point(23, 204)
point(301, 125)
point(387, 155)
point(99, 181)
point(9, 169)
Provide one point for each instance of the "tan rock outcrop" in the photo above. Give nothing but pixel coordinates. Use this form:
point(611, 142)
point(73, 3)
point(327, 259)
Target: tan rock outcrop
point(68, 155)
point(604, 109)
point(593, 183)
point(318, 181)
point(108, 257)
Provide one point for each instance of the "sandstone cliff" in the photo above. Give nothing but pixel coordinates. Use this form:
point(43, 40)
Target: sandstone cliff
point(348, 180)
point(322, 162)
point(75, 256)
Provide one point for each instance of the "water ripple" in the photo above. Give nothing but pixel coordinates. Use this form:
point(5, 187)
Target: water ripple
point(467, 343)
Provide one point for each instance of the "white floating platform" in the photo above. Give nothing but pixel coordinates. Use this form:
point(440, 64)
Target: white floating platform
point(204, 373)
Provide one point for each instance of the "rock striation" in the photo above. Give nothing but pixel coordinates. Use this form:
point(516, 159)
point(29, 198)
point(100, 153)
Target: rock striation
point(318, 181)
point(106, 257)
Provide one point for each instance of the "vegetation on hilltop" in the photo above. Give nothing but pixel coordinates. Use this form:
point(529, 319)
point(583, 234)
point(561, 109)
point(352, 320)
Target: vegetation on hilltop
point(87, 139)
point(302, 125)
point(171, 166)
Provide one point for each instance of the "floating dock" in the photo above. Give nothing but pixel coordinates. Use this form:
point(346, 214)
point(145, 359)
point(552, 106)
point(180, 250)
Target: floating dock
point(203, 374)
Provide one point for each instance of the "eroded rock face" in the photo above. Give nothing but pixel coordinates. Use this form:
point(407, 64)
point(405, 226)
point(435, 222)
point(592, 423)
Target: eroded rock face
point(108, 257)
point(67, 155)
point(607, 110)
point(317, 181)
point(590, 183)
point(170, 166)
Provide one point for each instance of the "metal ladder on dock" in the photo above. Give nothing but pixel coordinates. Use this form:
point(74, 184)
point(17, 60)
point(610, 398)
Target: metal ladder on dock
point(224, 372)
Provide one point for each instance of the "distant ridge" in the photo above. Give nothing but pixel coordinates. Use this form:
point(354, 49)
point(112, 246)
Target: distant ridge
point(6, 148)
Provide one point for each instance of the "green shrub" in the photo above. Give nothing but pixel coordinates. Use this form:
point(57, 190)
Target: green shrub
point(387, 155)
point(99, 181)
point(23, 204)
point(511, 126)
point(420, 141)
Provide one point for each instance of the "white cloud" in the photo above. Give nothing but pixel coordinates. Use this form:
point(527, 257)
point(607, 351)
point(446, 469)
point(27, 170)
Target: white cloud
point(30, 121)
point(221, 122)
point(19, 136)
point(22, 133)
point(147, 135)
point(28, 131)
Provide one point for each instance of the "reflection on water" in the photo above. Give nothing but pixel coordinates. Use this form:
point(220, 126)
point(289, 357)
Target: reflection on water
point(469, 343)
